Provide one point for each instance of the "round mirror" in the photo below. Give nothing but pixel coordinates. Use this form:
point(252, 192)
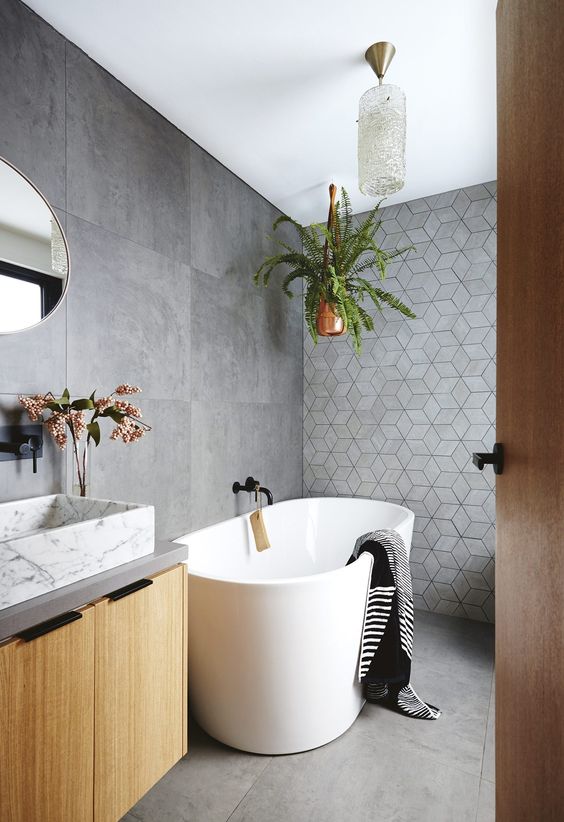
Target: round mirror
point(34, 258)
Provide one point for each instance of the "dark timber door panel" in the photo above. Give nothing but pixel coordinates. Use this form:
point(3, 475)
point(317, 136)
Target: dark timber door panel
point(530, 412)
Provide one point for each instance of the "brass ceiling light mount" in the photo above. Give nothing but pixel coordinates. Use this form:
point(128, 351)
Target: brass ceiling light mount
point(379, 56)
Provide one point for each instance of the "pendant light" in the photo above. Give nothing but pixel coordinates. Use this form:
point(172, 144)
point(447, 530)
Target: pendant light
point(381, 129)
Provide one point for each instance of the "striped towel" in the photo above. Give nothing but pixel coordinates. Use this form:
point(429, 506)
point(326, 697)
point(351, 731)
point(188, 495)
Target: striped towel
point(387, 637)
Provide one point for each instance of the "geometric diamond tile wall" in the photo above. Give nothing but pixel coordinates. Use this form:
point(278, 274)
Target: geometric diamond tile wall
point(401, 421)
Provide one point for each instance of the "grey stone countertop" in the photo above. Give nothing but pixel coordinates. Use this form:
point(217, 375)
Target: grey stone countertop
point(26, 614)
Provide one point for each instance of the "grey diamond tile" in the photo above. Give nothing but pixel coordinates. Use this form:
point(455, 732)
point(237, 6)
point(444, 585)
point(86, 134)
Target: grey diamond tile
point(446, 323)
point(368, 490)
point(476, 547)
point(446, 495)
point(419, 587)
point(476, 513)
point(401, 421)
point(490, 213)
point(489, 573)
point(431, 597)
point(445, 591)
point(445, 526)
point(461, 327)
point(476, 563)
point(404, 485)
point(418, 571)
point(446, 607)
point(478, 207)
point(460, 553)
point(475, 597)
point(446, 215)
point(489, 608)
point(432, 471)
point(476, 225)
point(474, 612)
point(461, 202)
point(460, 585)
point(446, 245)
point(444, 463)
point(446, 575)
point(418, 493)
point(478, 192)
point(447, 559)
point(446, 543)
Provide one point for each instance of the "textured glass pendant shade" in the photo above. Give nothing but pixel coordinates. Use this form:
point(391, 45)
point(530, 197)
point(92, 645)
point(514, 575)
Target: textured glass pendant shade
point(381, 141)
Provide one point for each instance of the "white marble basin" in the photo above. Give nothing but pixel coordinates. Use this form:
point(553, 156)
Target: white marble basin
point(49, 542)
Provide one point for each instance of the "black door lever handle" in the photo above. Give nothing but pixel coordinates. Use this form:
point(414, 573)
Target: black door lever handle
point(494, 458)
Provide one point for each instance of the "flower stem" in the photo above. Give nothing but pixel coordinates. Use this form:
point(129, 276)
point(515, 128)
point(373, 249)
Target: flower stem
point(84, 458)
point(81, 474)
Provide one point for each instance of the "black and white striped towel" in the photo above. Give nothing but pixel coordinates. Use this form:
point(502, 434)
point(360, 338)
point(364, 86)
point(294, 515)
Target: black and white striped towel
point(387, 637)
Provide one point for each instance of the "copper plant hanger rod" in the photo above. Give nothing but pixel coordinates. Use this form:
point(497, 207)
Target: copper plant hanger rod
point(330, 223)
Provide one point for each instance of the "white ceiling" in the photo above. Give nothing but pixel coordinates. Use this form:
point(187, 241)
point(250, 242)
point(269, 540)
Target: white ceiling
point(271, 88)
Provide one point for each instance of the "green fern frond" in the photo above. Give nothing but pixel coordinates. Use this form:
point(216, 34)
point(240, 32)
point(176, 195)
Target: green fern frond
point(293, 275)
point(396, 303)
point(336, 277)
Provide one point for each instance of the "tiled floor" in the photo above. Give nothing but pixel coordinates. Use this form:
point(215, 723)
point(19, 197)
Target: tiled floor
point(386, 768)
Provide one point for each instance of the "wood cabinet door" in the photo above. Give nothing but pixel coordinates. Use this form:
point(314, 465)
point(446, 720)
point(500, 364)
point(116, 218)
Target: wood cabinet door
point(530, 413)
point(47, 725)
point(140, 692)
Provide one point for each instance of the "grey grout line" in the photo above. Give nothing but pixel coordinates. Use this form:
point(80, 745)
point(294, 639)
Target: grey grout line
point(482, 777)
point(259, 776)
point(128, 239)
point(487, 725)
point(479, 793)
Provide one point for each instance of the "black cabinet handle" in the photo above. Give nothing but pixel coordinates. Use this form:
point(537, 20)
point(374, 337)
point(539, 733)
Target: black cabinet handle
point(138, 585)
point(495, 459)
point(49, 625)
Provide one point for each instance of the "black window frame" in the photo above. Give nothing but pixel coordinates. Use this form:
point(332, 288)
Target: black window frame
point(51, 287)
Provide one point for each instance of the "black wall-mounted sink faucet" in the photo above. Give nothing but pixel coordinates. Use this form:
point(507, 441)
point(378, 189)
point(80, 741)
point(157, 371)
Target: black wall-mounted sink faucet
point(19, 442)
point(253, 486)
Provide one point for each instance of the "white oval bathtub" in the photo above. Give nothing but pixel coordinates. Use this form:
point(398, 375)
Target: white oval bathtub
point(274, 637)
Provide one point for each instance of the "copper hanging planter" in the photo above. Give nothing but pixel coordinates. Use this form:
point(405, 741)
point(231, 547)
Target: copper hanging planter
point(329, 323)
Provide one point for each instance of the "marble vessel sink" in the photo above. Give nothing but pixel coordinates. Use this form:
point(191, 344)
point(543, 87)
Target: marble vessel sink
point(48, 542)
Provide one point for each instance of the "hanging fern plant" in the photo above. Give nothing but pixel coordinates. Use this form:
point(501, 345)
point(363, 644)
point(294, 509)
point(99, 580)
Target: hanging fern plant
point(333, 264)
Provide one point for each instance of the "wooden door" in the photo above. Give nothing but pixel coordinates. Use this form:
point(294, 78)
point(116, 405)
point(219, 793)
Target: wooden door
point(530, 413)
point(46, 725)
point(140, 694)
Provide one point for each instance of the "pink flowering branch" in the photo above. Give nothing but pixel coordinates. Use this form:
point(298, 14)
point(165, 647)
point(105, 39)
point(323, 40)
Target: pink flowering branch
point(71, 414)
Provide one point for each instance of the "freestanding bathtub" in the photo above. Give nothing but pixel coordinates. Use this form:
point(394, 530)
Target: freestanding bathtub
point(274, 637)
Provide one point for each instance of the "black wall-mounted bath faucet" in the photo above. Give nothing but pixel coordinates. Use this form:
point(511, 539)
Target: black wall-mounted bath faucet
point(253, 486)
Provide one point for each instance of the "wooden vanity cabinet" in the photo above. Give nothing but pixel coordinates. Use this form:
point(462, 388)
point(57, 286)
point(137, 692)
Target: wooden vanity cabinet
point(94, 713)
point(47, 725)
point(140, 694)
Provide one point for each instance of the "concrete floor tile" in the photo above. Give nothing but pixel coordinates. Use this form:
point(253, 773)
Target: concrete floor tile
point(488, 764)
point(205, 786)
point(455, 739)
point(360, 779)
point(385, 768)
point(486, 802)
point(466, 646)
